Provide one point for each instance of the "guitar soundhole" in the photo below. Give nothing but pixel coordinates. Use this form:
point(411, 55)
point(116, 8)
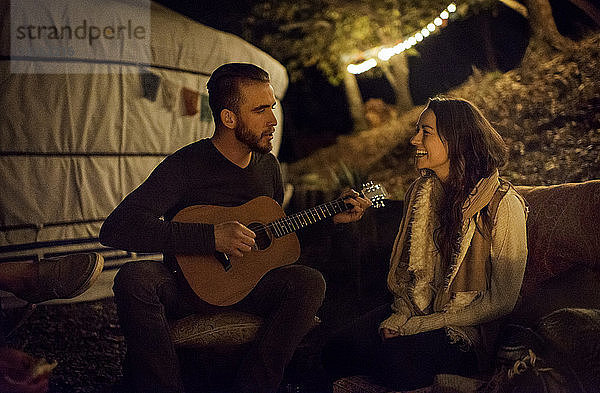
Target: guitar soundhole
point(263, 236)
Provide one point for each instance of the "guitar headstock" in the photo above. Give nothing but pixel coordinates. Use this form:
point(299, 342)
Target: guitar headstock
point(374, 192)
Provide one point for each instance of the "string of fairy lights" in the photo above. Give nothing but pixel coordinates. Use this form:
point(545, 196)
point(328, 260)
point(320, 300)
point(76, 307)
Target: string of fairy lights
point(385, 53)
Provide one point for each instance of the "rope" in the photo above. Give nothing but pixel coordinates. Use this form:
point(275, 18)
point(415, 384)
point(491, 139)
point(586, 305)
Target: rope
point(29, 309)
point(524, 364)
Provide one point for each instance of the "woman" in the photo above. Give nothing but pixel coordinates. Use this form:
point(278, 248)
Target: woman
point(457, 263)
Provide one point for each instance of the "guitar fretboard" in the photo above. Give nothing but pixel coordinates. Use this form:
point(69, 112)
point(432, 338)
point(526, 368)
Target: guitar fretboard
point(292, 223)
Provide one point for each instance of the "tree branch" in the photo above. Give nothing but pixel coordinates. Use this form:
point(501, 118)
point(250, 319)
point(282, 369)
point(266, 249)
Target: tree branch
point(516, 6)
point(305, 26)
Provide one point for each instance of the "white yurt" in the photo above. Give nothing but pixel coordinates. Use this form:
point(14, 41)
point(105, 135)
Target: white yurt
point(82, 127)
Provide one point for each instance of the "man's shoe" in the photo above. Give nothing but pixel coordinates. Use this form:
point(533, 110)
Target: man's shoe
point(63, 277)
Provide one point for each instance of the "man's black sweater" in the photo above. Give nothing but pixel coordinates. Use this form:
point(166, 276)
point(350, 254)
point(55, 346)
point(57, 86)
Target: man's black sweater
point(197, 174)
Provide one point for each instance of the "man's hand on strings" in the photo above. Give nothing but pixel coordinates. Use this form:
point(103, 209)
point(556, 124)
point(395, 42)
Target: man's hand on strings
point(233, 238)
point(359, 205)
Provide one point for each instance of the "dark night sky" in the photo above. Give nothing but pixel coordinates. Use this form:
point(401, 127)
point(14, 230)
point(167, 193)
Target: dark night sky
point(316, 112)
point(225, 15)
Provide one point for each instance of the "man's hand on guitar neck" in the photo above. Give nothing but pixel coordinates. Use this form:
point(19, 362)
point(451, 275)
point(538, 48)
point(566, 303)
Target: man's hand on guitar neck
point(233, 238)
point(359, 205)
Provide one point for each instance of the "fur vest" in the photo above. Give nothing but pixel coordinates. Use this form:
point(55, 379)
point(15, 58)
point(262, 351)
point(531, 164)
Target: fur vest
point(415, 258)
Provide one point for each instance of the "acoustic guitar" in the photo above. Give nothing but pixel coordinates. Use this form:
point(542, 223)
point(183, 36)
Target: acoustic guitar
point(221, 280)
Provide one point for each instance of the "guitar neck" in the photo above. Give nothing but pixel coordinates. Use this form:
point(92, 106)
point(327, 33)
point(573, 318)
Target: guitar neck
point(292, 223)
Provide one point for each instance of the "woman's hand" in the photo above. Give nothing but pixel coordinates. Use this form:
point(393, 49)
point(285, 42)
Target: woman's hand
point(359, 205)
point(393, 326)
point(388, 333)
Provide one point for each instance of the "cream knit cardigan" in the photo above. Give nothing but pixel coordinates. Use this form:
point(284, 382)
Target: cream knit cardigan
point(508, 259)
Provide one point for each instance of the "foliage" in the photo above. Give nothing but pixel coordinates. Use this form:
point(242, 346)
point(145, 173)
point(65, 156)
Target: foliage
point(547, 112)
point(321, 33)
point(375, 153)
point(335, 177)
point(347, 177)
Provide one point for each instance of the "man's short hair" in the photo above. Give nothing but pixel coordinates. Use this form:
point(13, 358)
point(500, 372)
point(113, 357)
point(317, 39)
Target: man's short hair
point(224, 86)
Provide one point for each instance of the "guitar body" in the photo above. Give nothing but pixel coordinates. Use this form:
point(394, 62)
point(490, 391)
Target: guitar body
point(207, 275)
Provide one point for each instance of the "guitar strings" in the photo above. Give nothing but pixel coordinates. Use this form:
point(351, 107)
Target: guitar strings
point(288, 220)
point(302, 218)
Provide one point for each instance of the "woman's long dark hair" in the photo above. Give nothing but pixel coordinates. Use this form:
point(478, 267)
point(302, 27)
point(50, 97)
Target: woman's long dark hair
point(475, 150)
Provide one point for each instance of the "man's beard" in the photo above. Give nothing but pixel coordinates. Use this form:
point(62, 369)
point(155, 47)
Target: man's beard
point(244, 135)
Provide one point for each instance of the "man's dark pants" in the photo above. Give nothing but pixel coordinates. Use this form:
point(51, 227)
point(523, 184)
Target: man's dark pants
point(148, 295)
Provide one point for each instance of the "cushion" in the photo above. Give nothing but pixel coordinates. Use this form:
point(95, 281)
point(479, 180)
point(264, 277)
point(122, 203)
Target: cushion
point(356, 384)
point(574, 333)
point(441, 383)
point(223, 329)
point(575, 288)
point(226, 328)
point(562, 229)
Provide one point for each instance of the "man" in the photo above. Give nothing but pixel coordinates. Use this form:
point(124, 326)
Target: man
point(229, 169)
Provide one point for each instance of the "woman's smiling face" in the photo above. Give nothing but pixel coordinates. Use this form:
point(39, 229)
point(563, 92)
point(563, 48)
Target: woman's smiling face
point(432, 149)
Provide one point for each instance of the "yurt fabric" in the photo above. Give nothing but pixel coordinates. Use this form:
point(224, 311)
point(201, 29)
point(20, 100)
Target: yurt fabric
point(73, 145)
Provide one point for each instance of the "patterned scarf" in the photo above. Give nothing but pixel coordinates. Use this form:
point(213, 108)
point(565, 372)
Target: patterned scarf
point(423, 257)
